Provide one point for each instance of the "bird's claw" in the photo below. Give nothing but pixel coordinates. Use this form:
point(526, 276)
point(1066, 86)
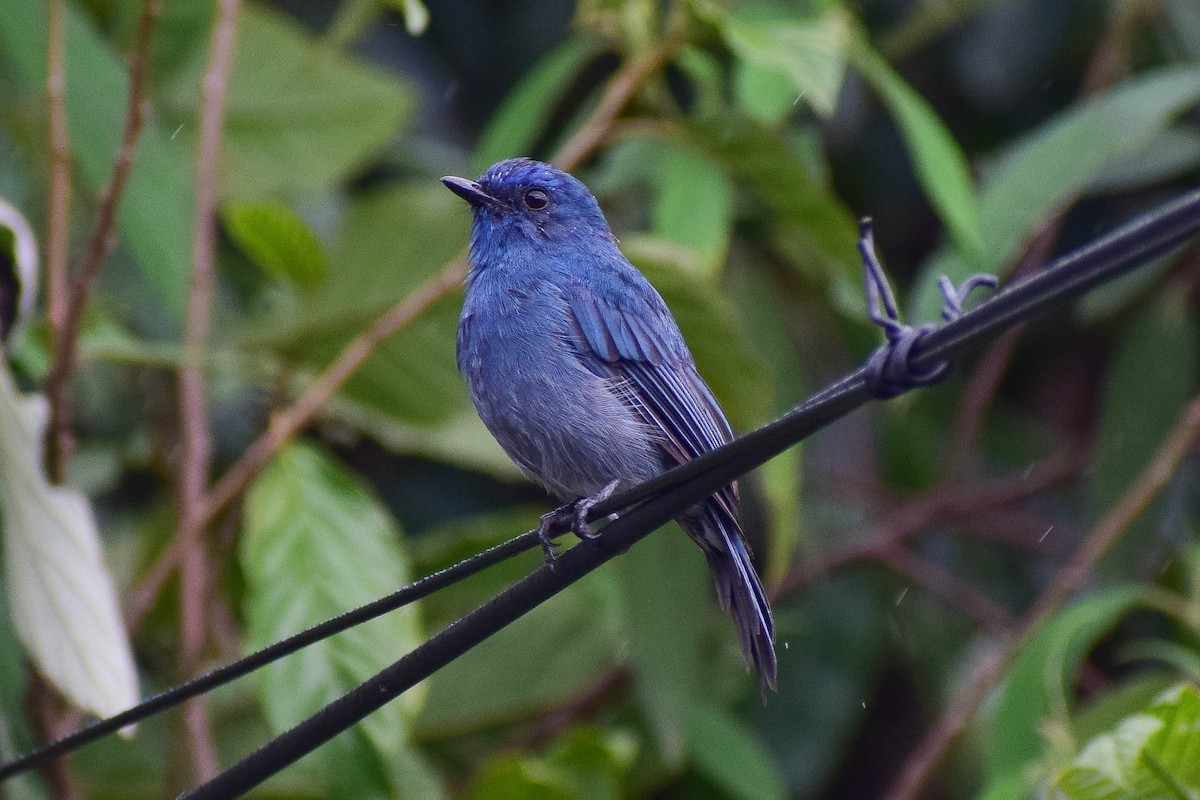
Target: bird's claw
point(546, 531)
point(584, 506)
point(576, 516)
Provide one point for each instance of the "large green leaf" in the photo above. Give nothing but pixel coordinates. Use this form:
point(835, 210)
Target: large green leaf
point(732, 757)
point(810, 51)
point(514, 128)
point(156, 213)
point(583, 764)
point(664, 615)
point(539, 661)
point(1152, 377)
point(1149, 756)
point(389, 243)
point(316, 543)
point(1036, 685)
point(831, 643)
point(298, 116)
point(277, 240)
point(809, 226)
point(1047, 169)
point(693, 205)
point(940, 164)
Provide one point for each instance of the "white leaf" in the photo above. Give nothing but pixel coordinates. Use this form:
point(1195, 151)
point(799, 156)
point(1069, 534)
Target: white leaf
point(63, 598)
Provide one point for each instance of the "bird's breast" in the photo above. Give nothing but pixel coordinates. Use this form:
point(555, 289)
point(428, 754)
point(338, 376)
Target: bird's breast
point(562, 424)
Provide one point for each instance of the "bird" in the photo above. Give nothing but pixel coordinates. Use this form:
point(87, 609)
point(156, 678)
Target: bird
point(578, 369)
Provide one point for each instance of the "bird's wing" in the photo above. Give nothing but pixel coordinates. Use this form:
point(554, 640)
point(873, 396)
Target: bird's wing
point(640, 348)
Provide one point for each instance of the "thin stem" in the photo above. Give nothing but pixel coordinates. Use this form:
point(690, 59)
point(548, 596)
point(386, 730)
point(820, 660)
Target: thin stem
point(285, 424)
point(621, 89)
point(65, 322)
point(947, 585)
point(59, 211)
point(43, 702)
point(1158, 472)
point(195, 441)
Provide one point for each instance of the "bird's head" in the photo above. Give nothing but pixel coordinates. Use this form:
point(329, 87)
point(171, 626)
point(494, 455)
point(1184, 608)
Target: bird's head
point(522, 199)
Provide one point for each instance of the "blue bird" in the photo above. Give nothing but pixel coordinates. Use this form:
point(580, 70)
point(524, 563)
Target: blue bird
point(579, 370)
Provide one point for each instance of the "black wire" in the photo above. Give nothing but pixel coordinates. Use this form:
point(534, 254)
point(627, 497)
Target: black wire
point(1067, 278)
point(222, 675)
point(666, 496)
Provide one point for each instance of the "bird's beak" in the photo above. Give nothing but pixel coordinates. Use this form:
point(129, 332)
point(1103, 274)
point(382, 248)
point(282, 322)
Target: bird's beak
point(470, 191)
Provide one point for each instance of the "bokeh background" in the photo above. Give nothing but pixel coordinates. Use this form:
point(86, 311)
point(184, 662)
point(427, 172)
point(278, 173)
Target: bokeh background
point(733, 147)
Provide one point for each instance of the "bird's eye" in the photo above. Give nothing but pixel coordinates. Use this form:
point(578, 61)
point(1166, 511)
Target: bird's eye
point(536, 199)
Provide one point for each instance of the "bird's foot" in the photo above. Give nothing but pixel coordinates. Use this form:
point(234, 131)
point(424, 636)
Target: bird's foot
point(583, 507)
point(574, 515)
point(546, 530)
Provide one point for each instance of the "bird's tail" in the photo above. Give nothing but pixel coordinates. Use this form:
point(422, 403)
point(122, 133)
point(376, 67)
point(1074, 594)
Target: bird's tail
point(738, 588)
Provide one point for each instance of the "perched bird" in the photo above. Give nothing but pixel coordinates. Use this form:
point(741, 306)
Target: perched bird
point(579, 370)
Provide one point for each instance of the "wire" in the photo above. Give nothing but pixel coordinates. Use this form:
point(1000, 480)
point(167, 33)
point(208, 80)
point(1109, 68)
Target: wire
point(660, 499)
point(668, 495)
point(222, 675)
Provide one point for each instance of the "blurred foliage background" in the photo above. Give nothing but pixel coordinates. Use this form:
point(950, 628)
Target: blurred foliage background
point(733, 145)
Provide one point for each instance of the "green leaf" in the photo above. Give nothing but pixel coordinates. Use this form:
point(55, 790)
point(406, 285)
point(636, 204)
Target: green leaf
point(298, 116)
point(541, 660)
point(277, 240)
point(693, 205)
point(316, 543)
point(940, 164)
point(809, 51)
point(1047, 169)
point(1035, 686)
point(509, 777)
point(583, 764)
point(389, 243)
point(731, 756)
point(810, 228)
point(63, 598)
point(1148, 756)
point(515, 126)
point(1152, 377)
point(156, 213)
point(831, 643)
point(664, 631)
point(764, 94)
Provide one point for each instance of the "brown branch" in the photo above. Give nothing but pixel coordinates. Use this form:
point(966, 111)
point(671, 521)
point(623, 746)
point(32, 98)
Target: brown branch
point(195, 442)
point(44, 705)
point(285, 424)
point(906, 521)
point(935, 580)
point(66, 321)
point(1158, 472)
point(59, 201)
point(620, 90)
